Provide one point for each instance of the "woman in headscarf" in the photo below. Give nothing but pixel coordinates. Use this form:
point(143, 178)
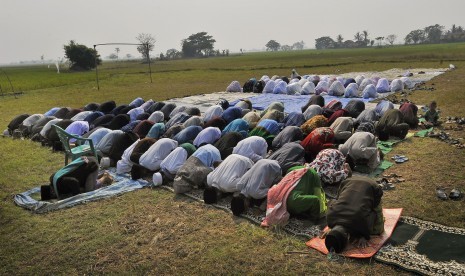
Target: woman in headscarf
point(298, 193)
point(319, 139)
point(331, 166)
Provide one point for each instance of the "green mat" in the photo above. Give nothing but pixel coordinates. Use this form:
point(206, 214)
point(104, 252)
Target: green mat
point(363, 169)
point(423, 133)
point(380, 169)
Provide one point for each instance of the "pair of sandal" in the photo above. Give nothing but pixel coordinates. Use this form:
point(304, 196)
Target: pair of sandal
point(386, 185)
point(455, 194)
point(399, 158)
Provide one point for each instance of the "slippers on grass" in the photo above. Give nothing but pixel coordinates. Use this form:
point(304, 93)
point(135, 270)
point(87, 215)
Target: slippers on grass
point(455, 194)
point(386, 185)
point(441, 193)
point(400, 158)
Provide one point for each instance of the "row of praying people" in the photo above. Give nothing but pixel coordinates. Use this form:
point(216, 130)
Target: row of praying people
point(360, 86)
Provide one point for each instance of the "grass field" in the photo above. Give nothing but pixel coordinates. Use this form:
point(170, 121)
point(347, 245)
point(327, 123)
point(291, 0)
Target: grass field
point(153, 232)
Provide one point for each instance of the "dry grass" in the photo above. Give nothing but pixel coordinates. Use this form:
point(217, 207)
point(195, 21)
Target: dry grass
point(153, 232)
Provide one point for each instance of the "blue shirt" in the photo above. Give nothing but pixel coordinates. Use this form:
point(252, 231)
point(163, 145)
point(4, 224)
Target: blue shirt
point(294, 119)
point(238, 125)
point(231, 114)
point(188, 134)
point(270, 125)
point(208, 155)
point(137, 102)
point(156, 131)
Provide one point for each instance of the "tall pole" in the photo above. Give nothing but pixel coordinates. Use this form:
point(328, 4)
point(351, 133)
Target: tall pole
point(148, 59)
point(96, 69)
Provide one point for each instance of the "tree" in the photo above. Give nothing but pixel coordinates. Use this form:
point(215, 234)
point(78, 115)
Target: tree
point(365, 37)
point(128, 56)
point(112, 56)
point(339, 40)
point(299, 45)
point(173, 54)
point(455, 34)
point(324, 42)
point(380, 39)
point(197, 45)
point(81, 57)
point(358, 37)
point(391, 39)
point(416, 36)
point(148, 43)
point(272, 45)
point(286, 48)
point(117, 52)
point(433, 33)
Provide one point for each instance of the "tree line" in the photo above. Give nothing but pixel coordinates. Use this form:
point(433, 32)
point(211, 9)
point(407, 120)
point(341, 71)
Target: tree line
point(428, 35)
point(201, 44)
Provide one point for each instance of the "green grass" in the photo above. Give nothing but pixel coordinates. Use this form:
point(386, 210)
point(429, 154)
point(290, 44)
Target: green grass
point(153, 232)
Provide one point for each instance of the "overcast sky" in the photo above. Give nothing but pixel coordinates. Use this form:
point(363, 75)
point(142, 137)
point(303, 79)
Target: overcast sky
point(31, 28)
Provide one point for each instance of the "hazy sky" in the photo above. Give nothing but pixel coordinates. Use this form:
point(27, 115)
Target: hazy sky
point(31, 28)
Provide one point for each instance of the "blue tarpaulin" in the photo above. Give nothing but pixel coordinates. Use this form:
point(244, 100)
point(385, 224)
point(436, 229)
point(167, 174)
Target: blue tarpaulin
point(291, 103)
point(122, 184)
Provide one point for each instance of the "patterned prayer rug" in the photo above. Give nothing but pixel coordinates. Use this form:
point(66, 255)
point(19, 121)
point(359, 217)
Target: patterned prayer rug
point(425, 247)
point(415, 245)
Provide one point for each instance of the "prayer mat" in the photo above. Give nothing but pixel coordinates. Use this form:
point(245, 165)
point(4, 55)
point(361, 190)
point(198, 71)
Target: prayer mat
point(391, 217)
point(423, 133)
point(121, 184)
point(425, 247)
point(299, 227)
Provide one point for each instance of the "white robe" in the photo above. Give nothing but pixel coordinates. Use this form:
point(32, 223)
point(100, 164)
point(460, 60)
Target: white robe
point(153, 157)
point(253, 147)
point(208, 135)
point(125, 164)
point(212, 112)
point(173, 162)
point(226, 176)
point(256, 181)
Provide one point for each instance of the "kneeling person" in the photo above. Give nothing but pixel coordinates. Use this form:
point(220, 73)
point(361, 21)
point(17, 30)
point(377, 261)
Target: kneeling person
point(356, 214)
point(254, 184)
point(76, 177)
point(225, 177)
